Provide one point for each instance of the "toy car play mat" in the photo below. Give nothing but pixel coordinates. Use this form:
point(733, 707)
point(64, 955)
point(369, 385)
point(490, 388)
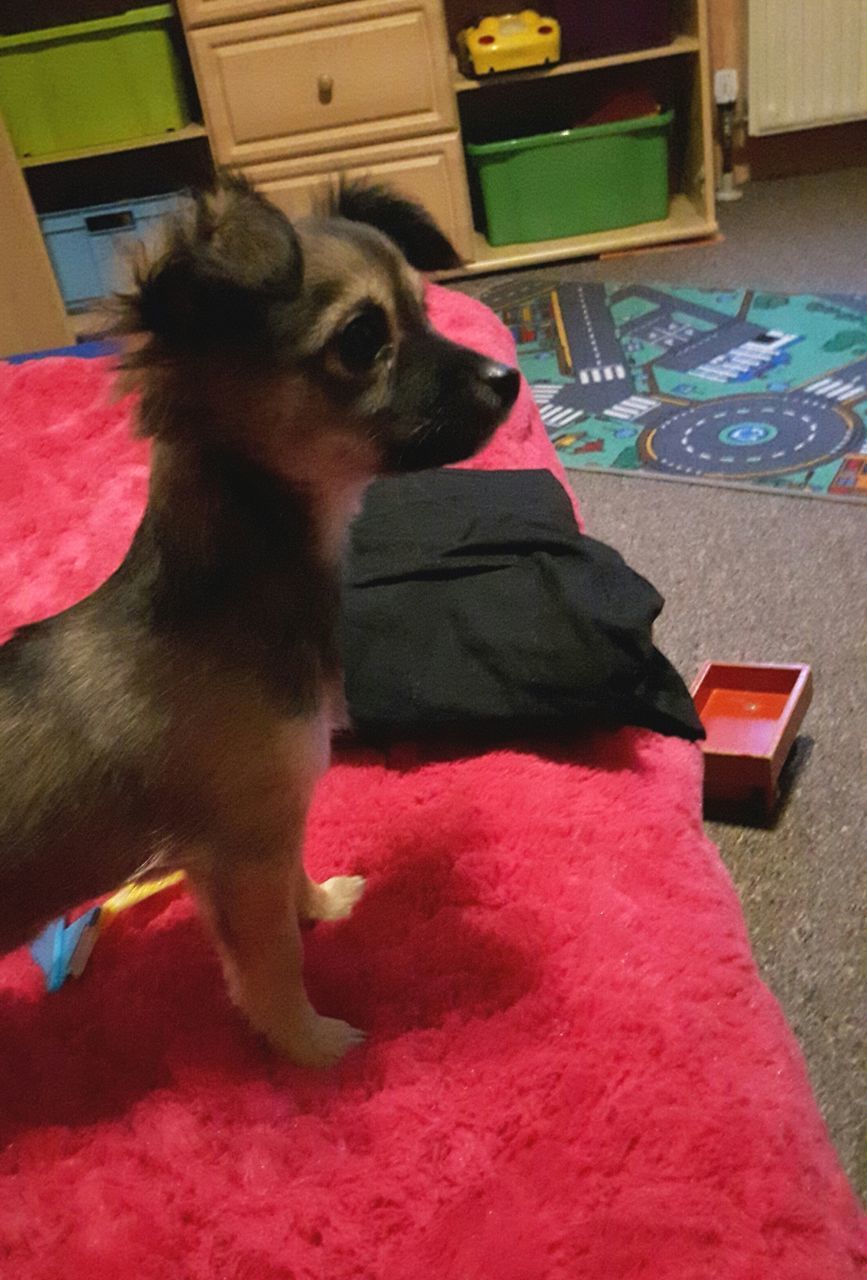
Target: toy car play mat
point(729, 386)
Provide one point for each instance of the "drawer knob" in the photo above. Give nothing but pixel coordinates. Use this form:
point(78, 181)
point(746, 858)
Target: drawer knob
point(326, 89)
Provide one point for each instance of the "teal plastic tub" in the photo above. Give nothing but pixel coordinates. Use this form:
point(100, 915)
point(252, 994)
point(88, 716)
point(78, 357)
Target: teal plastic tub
point(574, 182)
point(86, 246)
point(89, 84)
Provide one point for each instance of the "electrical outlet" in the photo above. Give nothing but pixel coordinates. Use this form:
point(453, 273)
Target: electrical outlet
point(725, 86)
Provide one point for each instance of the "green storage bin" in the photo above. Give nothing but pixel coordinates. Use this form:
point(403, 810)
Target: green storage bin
point(91, 83)
point(574, 182)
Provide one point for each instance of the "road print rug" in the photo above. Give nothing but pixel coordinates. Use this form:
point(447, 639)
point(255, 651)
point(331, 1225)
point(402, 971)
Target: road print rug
point(730, 386)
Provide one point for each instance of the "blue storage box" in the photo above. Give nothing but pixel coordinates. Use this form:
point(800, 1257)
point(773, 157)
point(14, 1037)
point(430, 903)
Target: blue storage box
point(86, 245)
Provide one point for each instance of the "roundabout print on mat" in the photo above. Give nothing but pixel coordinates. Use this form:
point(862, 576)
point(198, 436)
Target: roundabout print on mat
point(727, 385)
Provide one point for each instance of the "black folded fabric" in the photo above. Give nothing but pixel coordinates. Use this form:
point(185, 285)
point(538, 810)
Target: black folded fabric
point(472, 601)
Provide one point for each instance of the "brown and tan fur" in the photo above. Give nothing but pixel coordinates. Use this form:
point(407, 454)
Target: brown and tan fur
point(181, 715)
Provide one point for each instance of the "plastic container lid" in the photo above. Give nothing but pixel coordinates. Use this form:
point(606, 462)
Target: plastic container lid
point(132, 18)
point(536, 140)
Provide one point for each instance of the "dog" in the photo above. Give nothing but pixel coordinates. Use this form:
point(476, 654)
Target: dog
point(180, 716)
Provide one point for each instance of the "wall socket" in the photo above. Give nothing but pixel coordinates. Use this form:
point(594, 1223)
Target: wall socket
point(725, 86)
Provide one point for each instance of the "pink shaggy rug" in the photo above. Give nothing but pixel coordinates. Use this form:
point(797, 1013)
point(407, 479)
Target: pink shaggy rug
point(573, 1071)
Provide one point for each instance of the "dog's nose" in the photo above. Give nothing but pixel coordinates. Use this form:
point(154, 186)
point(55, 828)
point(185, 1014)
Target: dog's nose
point(502, 379)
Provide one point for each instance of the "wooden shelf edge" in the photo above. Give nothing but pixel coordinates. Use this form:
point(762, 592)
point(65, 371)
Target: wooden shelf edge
point(87, 325)
point(681, 44)
point(184, 134)
point(684, 222)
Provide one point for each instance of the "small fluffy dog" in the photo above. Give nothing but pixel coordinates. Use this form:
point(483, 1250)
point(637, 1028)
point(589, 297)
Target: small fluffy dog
point(180, 715)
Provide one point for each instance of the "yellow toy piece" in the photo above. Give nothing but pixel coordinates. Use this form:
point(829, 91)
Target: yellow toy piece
point(135, 891)
point(509, 42)
point(100, 917)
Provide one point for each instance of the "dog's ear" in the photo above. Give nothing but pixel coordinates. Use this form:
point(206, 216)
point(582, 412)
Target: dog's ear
point(405, 223)
point(227, 262)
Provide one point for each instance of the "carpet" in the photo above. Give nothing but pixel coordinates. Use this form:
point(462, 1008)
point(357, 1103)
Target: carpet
point(727, 386)
point(573, 1070)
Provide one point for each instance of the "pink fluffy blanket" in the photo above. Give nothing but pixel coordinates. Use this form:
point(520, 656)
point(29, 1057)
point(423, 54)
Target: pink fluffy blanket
point(573, 1071)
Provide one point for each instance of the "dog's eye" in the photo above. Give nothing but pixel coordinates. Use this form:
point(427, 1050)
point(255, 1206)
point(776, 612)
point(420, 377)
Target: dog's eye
point(361, 342)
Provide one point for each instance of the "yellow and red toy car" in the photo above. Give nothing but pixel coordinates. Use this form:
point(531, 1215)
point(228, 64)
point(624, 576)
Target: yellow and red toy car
point(509, 42)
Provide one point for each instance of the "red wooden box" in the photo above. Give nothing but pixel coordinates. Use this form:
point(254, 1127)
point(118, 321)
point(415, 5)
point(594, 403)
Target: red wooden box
point(752, 713)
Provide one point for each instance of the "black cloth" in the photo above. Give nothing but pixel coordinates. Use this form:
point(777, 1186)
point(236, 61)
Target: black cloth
point(473, 601)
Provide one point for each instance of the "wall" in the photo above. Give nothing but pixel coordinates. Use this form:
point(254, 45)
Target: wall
point(810, 151)
point(728, 35)
point(727, 20)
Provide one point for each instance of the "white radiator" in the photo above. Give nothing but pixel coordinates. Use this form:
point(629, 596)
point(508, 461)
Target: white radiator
point(807, 63)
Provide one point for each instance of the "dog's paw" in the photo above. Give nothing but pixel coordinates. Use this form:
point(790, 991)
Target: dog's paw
point(340, 895)
point(321, 1042)
point(335, 898)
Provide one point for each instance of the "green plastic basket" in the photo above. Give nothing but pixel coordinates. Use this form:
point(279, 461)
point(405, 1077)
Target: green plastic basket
point(91, 83)
point(571, 183)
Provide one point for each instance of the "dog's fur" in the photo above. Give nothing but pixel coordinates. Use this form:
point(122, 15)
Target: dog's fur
point(180, 716)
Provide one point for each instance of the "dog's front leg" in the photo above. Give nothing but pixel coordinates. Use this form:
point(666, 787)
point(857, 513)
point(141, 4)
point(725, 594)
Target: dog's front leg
point(251, 905)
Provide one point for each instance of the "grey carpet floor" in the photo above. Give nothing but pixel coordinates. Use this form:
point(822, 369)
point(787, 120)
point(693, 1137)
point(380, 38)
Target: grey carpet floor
point(766, 577)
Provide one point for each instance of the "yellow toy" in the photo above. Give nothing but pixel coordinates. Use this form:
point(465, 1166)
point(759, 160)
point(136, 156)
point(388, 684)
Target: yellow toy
point(136, 891)
point(127, 896)
point(63, 948)
point(509, 42)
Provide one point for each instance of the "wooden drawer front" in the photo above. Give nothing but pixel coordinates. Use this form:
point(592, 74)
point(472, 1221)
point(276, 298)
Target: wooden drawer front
point(430, 171)
point(436, 179)
point(323, 79)
point(298, 195)
point(198, 13)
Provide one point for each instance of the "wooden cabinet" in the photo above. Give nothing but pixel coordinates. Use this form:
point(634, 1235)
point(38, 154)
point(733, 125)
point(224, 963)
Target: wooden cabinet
point(297, 93)
point(432, 174)
point(361, 89)
point(32, 316)
point(295, 189)
point(200, 13)
point(428, 170)
point(322, 79)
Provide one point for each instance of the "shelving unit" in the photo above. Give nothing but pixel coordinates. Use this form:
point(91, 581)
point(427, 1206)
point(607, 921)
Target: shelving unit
point(680, 45)
point(683, 64)
point(260, 66)
point(32, 315)
point(115, 173)
point(184, 134)
point(101, 174)
point(298, 93)
point(684, 222)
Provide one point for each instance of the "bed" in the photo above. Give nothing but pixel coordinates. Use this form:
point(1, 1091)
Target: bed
point(572, 1070)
